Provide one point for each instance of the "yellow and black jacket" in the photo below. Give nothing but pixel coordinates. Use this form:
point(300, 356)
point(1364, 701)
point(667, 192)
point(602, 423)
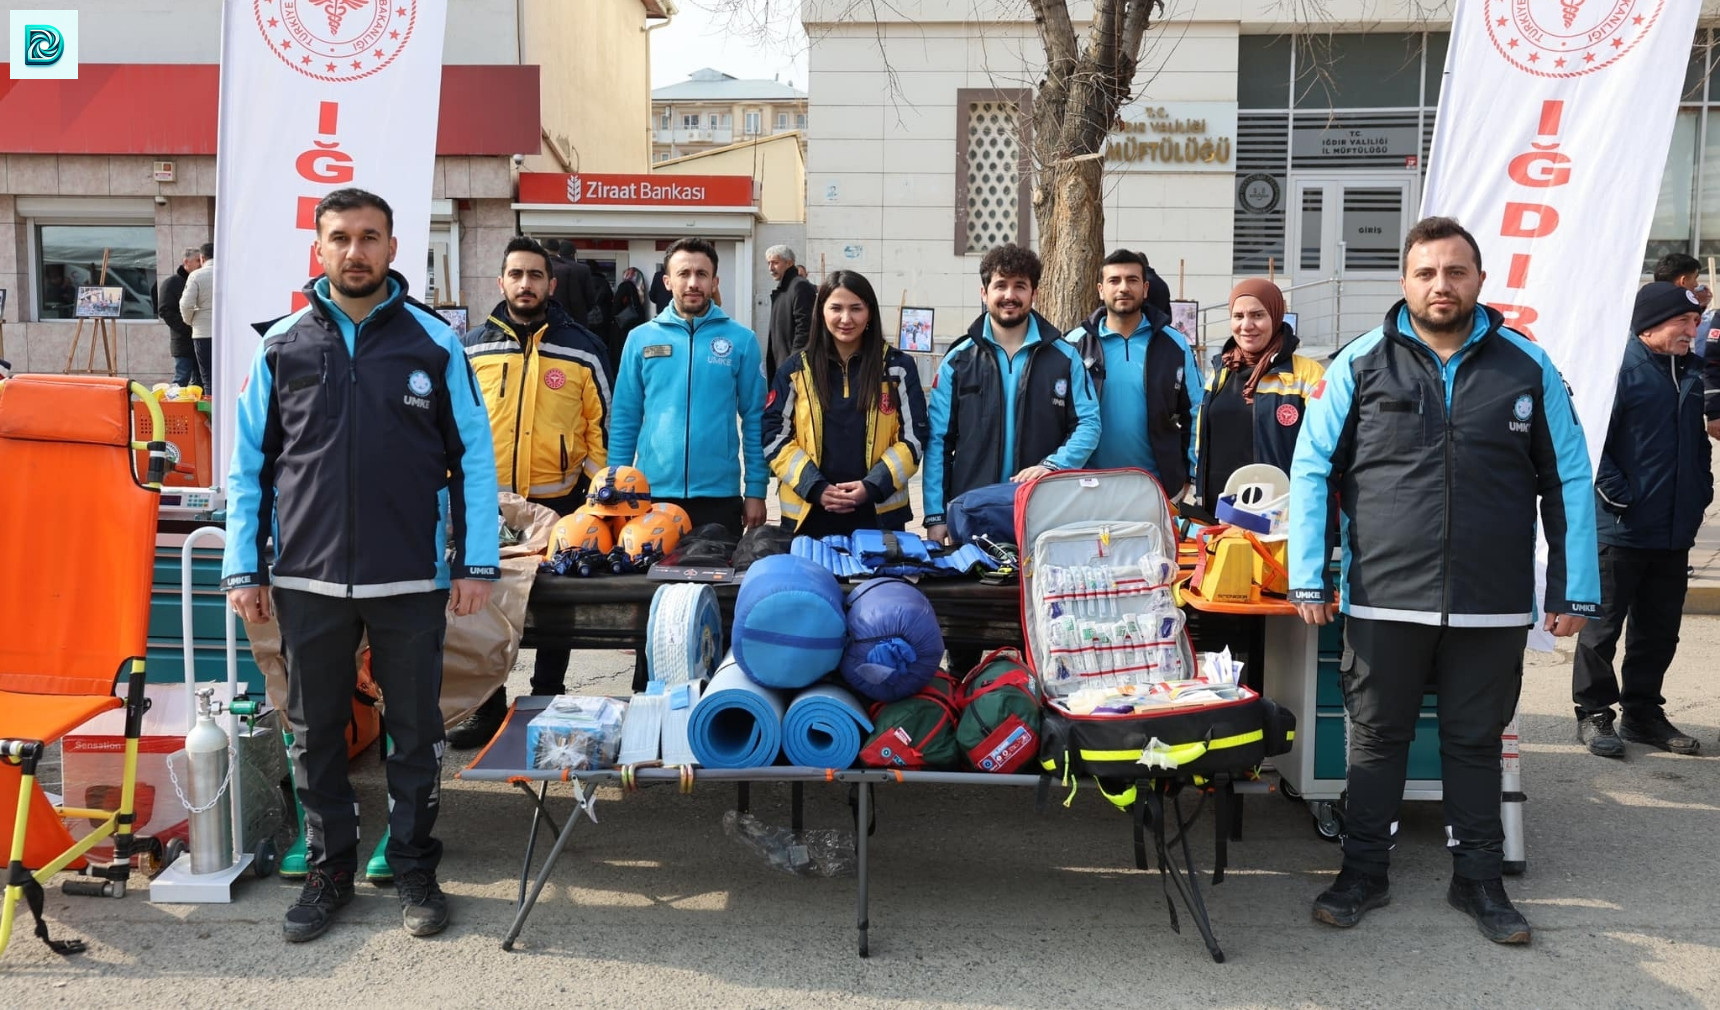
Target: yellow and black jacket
point(1280, 403)
point(547, 393)
point(802, 437)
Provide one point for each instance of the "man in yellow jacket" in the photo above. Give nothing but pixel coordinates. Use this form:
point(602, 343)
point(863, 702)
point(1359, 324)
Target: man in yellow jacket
point(546, 382)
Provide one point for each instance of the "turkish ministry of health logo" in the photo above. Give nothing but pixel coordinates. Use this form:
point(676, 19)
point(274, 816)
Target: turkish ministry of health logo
point(44, 45)
point(336, 40)
point(1568, 38)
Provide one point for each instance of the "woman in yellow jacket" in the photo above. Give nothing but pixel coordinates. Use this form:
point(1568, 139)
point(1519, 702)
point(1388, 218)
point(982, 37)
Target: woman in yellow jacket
point(1258, 392)
point(845, 423)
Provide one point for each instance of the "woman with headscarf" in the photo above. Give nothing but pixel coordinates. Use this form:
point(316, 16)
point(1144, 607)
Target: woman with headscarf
point(1257, 394)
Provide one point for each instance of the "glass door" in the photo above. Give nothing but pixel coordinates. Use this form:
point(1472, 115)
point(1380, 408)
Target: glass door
point(1345, 236)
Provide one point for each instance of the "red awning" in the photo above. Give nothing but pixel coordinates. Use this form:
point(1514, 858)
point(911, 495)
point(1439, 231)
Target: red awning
point(169, 109)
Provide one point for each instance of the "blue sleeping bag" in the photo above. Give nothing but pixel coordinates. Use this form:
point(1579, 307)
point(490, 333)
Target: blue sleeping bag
point(989, 510)
point(788, 628)
point(894, 643)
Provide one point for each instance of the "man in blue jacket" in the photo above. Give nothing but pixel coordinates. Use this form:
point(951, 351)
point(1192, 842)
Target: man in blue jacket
point(1144, 374)
point(1011, 400)
point(1438, 434)
point(685, 378)
point(363, 445)
point(1654, 483)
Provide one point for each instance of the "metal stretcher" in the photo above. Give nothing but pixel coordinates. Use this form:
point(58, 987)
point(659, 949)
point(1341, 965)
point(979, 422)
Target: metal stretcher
point(1159, 822)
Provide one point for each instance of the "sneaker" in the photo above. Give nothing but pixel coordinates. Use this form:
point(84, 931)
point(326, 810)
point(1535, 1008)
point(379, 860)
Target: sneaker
point(1353, 893)
point(324, 892)
point(423, 906)
point(1652, 728)
point(477, 729)
point(1595, 730)
point(1486, 903)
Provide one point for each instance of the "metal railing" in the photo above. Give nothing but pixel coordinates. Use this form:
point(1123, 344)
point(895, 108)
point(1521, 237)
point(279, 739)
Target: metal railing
point(1318, 305)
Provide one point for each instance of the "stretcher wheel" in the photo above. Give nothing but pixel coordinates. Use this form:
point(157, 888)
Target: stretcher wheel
point(148, 853)
point(1289, 791)
point(1328, 818)
point(175, 849)
point(264, 859)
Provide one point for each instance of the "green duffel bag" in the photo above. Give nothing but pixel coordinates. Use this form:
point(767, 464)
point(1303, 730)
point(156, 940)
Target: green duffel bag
point(916, 733)
point(1001, 705)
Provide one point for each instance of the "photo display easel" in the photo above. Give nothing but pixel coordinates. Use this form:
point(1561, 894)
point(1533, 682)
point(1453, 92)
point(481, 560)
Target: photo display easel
point(100, 333)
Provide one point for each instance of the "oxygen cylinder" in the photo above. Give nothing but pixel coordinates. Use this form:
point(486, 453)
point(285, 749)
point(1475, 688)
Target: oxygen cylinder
point(212, 824)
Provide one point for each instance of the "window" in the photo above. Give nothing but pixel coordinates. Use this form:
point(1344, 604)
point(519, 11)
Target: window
point(727, 121)
point(781, 121)
point(690, 121)
point(752, 120)
point(992, 141)
point(1670, 230)
point(663, 120)
point(69, 256)
point(800, 121)
point(1687, 213)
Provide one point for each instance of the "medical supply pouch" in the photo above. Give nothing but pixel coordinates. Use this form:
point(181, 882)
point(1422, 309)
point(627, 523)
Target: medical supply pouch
point(1177, 741)
point(917, 733)
point(1098, 561)
point(1000, 705)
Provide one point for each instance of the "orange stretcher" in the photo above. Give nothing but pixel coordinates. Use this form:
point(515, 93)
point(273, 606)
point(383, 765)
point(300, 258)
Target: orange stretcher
point(75, 572)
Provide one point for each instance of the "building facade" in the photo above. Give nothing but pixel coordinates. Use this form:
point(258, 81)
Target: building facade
point(121, 161)
point(1260, 140)
point(711, 109)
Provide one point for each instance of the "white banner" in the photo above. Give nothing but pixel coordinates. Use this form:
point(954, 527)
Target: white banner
point(1554, 122)
point(316, 95)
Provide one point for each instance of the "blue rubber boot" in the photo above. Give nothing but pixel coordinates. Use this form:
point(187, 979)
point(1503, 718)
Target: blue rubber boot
point(294, 865)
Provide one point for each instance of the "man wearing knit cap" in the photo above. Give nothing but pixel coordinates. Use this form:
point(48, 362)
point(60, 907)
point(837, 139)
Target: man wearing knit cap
point(1652, 487)
point(1442, 437)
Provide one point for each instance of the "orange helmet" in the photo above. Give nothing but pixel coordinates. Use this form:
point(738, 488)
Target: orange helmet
point(654, 533)
point(581, 530)
point(676, 515)
point(619, 491)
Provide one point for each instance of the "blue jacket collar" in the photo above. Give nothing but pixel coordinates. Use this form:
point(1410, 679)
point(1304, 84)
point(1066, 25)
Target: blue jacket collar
point(319, 290)
point(713, 313)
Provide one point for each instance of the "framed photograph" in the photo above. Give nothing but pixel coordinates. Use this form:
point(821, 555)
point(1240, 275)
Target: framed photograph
point(99, 303)
point(1185, 316)
point(1290, 321)
point(455, 317)
point(915, 333)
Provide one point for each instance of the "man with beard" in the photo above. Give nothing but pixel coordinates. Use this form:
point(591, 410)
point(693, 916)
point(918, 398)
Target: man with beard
point(685, 377)
point(1436, 434)
point(1144, 374)
point(1011, 400)
point(362, 444)
point(546, 383)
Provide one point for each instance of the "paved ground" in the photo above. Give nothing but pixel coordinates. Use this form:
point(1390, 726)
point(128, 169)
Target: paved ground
point(978, 902)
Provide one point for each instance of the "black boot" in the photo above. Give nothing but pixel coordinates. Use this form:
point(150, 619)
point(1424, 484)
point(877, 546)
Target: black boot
point(1486, 903)
point(1353, 893)
point(1595, 731)
point(476, 729)
point(1653, 728)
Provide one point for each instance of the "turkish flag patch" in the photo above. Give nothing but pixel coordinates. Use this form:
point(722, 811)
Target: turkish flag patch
point(1288, 415)
point(1319, 390)
point(770, 399)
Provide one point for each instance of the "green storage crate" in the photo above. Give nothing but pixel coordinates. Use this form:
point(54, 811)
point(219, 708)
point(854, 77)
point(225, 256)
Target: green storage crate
point(165, 660)
point(1330, 745)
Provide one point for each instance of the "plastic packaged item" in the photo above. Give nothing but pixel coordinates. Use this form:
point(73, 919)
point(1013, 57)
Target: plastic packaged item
point(576, 733)
point(813, 852)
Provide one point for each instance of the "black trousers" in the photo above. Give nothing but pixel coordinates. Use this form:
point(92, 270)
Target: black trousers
point(725, 512)
point(1646, 588)
point(1388, 666)
point(320, 635)
point(203, 350)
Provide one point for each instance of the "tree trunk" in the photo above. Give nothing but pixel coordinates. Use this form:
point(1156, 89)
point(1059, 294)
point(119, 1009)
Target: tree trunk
point(1069, 208)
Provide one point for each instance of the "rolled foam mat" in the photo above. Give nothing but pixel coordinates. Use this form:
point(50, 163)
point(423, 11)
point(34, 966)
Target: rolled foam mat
point(684, 633)
point(788, 629)
point(824, 728)
point(736, 723)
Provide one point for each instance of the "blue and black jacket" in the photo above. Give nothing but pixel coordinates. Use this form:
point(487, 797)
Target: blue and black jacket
point(1171, 379)
point(358, 447)
point(679, 388)
point(1655, 481)
point(993, 416)
point(1437, 468)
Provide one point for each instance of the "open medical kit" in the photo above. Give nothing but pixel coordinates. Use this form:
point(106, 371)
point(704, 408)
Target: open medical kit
point(1126, 696)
